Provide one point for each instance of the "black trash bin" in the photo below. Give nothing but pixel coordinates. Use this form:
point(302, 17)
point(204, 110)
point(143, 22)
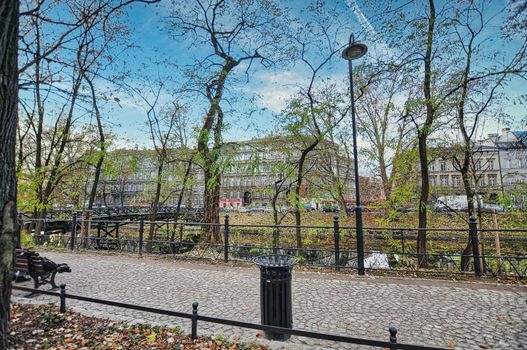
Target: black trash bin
point(275, 293)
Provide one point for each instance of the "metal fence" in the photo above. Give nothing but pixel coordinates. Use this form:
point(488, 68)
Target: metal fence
point(195, 317)
point(499, 253)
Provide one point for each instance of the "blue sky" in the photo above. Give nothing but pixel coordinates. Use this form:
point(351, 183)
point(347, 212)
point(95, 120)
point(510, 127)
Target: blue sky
point(272, 87)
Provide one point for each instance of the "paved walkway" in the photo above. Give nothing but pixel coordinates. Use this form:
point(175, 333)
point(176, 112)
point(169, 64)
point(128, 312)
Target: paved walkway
point(438, 313)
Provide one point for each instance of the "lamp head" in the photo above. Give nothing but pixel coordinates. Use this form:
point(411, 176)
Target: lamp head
point(354, 51)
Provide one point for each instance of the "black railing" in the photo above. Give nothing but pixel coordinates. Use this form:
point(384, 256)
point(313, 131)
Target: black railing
point(500, 253)
point(195, 317)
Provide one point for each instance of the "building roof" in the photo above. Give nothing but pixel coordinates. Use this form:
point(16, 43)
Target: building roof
point(521, 136)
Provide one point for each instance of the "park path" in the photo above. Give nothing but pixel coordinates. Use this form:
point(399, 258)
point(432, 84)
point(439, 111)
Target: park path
point(460, 315)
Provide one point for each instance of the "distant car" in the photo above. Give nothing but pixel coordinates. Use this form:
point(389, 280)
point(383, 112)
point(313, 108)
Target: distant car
point(331, 209)
point(309, 207)
point(440, 208)
point(257, 209)
point(496, 207)
point(284, 209)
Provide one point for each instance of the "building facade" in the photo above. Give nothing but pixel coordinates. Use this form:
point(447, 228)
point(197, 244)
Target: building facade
point(254, 172)
point(499, 168)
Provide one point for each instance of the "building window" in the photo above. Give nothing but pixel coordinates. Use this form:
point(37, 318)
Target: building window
point(481, 182)
point(432, 167)
point(478, 165)
point(456, 180)
point(493, 180)
point(442, 165)
point(433, 180)
point(491, 164)
point(444, 180)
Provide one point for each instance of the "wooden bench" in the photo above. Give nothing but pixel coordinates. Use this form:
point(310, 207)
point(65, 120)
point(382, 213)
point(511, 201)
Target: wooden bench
point(41, 270)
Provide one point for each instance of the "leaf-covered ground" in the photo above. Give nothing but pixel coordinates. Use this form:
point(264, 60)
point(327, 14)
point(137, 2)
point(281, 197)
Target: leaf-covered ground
point(43, 327)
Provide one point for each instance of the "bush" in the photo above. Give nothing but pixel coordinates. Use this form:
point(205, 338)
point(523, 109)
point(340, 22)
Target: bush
point(27, 241)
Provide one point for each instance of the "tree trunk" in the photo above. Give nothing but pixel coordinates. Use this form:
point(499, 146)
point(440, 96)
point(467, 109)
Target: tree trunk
point(39, 223)
point(299, 180)
point(386, 183)
point(467, 252)
point(211, 207)
point(102, 147)
point(212, 174)
point(184, 186)
point(9, 229)
point(155, 205)
point(98, 165)
point(423, 203)
point(423, 133)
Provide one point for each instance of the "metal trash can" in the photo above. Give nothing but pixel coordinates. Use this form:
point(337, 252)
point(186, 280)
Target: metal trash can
point(275, 292)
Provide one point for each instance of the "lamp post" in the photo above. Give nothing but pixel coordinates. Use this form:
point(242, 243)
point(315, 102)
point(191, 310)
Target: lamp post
point(350, 53)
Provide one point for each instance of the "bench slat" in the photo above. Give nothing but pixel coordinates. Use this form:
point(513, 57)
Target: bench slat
point(36, 264)
point(21, 262)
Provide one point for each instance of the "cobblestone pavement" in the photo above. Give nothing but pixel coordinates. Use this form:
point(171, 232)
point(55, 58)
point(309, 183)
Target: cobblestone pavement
point(426, 312)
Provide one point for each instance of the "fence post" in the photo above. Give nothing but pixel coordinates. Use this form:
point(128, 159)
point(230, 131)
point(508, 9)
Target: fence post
point(226, 239)
point(141, 232)
point(194, 331)
point(473, 231)
point(276, 239)
point(62, 298)
point(336, 238)
point(85, 227)
point(360, 240)
point(393, 337)
point(73, 231)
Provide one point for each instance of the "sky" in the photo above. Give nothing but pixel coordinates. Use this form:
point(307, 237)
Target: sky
point(264, 94)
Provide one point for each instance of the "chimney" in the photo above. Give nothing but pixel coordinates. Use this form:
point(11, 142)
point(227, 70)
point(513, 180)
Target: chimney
point(504, 130)
point(492, 136)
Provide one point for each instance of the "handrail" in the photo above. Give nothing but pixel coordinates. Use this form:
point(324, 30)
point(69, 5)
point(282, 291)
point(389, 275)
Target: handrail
point(392, 344)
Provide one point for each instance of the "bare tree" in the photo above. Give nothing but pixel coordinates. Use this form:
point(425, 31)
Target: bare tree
point(62, 45)
point(231, 34)
point(335, 168)
point(422, 41)
point(475, 91)
point(167, 132)
point(308, 120)
point(381, 121)
point(318, 108)
point(418, 40)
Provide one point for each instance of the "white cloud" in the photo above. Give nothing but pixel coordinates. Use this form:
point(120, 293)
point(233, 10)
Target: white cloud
point(276, 88)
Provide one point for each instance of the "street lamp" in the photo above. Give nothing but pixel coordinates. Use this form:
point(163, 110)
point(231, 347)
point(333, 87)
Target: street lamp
point(350, 53)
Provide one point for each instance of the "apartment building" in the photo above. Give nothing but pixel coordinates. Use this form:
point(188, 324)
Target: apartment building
point(263, 168)
point(253, 172)
point(499, 167)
